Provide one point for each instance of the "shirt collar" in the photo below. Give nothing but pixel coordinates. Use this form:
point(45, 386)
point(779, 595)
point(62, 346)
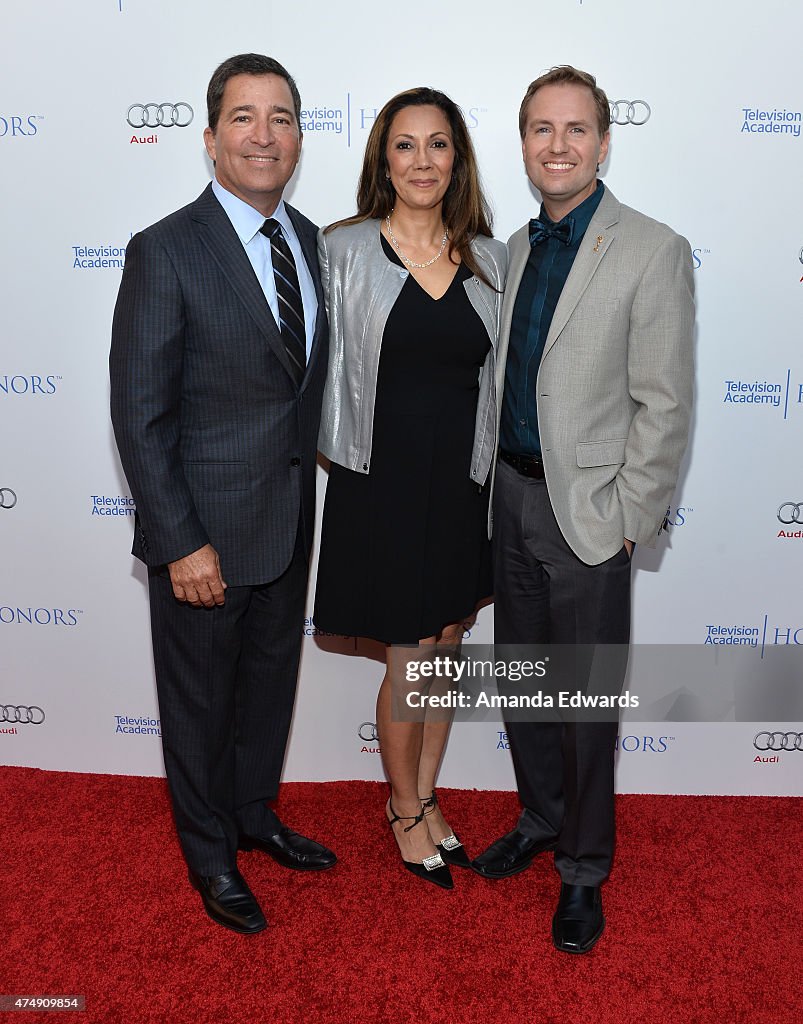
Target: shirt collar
point(246, 220)
point(581, 215)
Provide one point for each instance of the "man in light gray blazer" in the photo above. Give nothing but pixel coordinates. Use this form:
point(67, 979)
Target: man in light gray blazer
point(594, 379)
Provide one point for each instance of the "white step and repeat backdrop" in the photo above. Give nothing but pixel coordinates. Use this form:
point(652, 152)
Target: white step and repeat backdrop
point(708, 138)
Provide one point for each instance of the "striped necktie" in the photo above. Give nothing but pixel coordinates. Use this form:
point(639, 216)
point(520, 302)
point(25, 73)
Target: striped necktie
point(288, 292)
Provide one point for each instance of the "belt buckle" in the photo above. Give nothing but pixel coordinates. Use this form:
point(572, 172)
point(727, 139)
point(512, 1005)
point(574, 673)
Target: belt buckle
point(525, 465)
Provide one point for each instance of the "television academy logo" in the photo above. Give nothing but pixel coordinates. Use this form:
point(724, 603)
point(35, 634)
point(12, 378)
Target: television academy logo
point(635, 112)
point(784, 394)
point(779, 121)
point(310, 629)
point(791, 514)
point(367, 732)
point(113, 505)
point(8, 498)
point(348, 118)
point(140, 726)
point(760, 636)
point(96, 257)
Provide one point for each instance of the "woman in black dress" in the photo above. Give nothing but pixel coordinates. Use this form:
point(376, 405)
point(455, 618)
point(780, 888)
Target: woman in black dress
point(413, 286)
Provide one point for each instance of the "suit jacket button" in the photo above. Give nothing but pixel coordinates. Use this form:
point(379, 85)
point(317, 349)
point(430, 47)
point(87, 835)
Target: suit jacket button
point(295, 461)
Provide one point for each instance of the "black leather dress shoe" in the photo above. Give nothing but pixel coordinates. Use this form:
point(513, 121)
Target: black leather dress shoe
point(230, 902)
point(291, 850)
point(512, 853)
point(578, 921)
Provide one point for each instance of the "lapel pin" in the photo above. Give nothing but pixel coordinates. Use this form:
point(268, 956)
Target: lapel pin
point(599, 242)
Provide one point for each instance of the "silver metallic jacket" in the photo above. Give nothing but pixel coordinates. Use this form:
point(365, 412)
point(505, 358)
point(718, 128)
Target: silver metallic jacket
point(361, 285)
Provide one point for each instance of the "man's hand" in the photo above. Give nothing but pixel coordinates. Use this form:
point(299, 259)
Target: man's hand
point(629, 547)
point(196, 578)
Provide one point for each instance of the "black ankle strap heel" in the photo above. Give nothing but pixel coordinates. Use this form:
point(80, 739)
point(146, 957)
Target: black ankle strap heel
point(451, 849)
point(432, 869)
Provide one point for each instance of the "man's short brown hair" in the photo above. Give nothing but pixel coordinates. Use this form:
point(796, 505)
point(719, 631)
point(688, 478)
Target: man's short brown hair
point(567, 75)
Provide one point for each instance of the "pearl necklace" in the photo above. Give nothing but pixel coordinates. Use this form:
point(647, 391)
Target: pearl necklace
point(406, 259)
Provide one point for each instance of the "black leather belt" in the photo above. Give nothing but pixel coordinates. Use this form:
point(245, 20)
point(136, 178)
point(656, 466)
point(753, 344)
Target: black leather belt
point(527, 465)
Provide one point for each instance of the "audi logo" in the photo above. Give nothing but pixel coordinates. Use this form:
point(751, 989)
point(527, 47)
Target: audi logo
point(367, 732)
point(19, 715)
point(630, 111)
point(8, 499)
point(792, 510)
point(159, 115)
point(778, 741)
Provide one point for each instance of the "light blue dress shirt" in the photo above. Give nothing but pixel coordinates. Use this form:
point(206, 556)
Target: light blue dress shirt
point(247, 221)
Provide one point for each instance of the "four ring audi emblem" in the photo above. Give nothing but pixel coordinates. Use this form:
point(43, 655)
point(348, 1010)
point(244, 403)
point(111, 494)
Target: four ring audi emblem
point(778, 741)
point(159, 115)
point(8, 499)
point(790, 513)
point(19, 715)
point(630, 111)
point(367, 732)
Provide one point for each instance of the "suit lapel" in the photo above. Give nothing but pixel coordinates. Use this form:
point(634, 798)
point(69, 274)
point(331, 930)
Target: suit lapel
point(519, 253)
point(218, 235)
point(596, 241)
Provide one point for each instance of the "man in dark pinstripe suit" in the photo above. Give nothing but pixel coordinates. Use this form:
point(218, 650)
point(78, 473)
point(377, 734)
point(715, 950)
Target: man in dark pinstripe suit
point(217, 365)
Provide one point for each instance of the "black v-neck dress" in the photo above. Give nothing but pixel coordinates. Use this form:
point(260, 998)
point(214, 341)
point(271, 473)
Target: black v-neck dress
point(404, 549)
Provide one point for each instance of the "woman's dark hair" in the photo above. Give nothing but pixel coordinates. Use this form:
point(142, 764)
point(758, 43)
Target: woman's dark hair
point(465, 210)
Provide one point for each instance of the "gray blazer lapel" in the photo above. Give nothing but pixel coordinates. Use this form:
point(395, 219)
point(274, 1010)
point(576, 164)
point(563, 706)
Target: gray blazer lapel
point(601, 232)
point(220, 238)
point(519, 252)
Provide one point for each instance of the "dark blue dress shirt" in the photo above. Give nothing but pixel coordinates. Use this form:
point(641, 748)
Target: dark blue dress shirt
point(541, 284)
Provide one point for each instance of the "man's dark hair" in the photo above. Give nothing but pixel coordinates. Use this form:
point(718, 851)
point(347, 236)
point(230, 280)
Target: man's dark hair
point(246, 64)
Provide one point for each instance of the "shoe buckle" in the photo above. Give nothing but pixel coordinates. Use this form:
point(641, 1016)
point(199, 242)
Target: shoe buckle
point(451, 842)
point(434, 862)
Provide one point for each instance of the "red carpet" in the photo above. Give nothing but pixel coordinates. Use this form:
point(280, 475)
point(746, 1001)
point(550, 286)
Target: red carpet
point(703, 916)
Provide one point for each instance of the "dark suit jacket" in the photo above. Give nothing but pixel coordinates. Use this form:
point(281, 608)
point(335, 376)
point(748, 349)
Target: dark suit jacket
point(216, 440)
